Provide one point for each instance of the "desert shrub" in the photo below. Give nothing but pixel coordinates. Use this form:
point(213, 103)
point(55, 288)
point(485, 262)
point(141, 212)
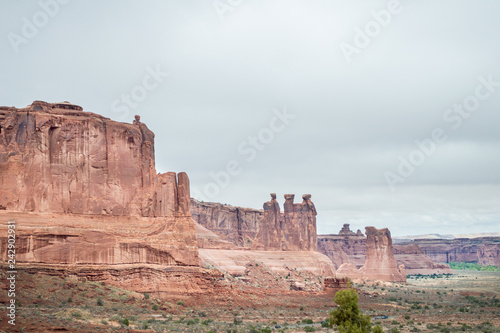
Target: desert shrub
point(325, 323)
point(309, 329)
point(146, 295)
point(206, 322)
point(181, 303)
point(125, 322)
point(347, 316)
point(307, 321)
point(76, 314)
point(267, 329)
point(99, 301)
point(378, 329)
point(192, 321)
point(395, 330)
point(155, 307)
point(104, 322)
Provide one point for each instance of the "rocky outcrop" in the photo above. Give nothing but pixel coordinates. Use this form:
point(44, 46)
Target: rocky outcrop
point(83, 190)
point(352, 249)
point(299, 224)
point(481, 250)
point(380, 263)
point(346, 231)
point(294, 230)
point(234, 224)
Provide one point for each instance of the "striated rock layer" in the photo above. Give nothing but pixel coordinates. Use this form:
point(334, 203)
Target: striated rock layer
point(83, 190)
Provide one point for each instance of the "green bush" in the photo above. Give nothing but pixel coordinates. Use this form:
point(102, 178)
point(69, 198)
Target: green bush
point(378, 329)
point(309, 329)
point(99, 302)
point(307, 321)
point(125, 322)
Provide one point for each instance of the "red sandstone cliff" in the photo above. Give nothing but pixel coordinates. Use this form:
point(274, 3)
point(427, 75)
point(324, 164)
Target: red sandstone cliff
point(83, 190)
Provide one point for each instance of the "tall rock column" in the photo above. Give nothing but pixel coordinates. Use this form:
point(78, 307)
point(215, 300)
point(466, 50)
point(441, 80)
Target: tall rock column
point(309, 220)
point(380, 263)
point(269, 236)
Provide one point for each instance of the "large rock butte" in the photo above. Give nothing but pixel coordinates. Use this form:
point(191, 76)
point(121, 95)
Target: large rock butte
point(83, 190)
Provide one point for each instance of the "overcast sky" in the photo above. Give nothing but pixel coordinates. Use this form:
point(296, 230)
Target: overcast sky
point(322, 97)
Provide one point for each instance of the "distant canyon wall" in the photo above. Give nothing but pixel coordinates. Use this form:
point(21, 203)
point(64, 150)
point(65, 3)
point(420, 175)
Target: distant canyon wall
point(482, 250)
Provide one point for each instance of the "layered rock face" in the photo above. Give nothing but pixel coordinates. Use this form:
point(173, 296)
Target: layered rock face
point(83, 190)
point(481, 250)
point(294, 230)
point(234, 224)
